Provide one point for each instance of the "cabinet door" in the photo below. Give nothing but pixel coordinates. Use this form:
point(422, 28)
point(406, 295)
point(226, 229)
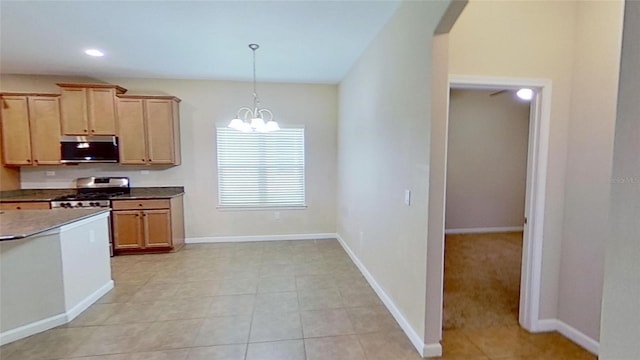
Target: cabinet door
point(160, 146)
point(131, 139)
point(73, 108)
point(127, 229)
point(25, 206)
point(44, 117)
point(102, 111)
point(16, 143)
point(157, 228)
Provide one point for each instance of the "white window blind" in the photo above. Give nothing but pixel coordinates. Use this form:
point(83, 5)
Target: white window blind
point(261, 169)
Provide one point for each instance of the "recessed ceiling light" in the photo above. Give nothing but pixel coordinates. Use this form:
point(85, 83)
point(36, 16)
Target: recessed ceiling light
point(94, 52)
point(525, 94)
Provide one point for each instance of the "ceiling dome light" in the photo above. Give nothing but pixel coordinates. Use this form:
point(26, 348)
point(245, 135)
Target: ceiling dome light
point(525, 94)
point(94, 52)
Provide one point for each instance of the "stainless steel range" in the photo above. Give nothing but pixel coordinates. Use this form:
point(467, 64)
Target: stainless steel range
point(93, 192)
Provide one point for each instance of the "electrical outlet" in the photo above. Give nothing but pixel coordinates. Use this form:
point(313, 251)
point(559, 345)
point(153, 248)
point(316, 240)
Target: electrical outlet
point(144, 172)
point(50, 173)
point(276, 215)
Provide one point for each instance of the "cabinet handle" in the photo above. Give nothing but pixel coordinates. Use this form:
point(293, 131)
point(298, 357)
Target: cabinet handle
point(144, 215)
point(149, 160)
point(93, 131)
point(28, 160)
point(139, 204)
point(35, 161)
point(85, 130)
point(18, 208)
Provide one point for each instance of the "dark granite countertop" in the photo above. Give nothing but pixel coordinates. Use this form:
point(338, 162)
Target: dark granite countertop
point(33, 195)
point(152, 193)
point(19, 224)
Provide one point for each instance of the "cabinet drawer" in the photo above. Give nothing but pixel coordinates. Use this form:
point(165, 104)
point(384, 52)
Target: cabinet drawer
point(24, 206)
point(140, 204)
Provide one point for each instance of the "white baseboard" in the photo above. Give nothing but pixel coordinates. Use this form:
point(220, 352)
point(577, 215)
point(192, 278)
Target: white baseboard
point(422, 348)
point(545, 325)
point(218, 239)
point(88, 301)
point(53, 321)
point(484, 230)
point(570, 333)
point(432, 350)
point(24, 331)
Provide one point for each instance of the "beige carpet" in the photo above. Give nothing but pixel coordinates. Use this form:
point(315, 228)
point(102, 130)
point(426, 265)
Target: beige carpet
point(482, 280)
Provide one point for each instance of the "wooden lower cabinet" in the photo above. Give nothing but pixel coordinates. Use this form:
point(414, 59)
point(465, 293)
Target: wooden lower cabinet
point(24, 205)
point(148, 226)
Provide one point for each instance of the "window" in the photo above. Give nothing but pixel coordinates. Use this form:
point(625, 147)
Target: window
point(261, 169)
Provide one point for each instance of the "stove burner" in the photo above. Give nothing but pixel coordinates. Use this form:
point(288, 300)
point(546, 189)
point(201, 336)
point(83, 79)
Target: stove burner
point(93, 192)
point(89, 196)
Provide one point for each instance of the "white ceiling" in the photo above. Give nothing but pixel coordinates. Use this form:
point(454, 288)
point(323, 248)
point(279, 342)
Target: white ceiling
point(301, 41)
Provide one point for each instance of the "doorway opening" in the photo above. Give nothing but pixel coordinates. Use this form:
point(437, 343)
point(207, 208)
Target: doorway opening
point(536, 164)
point(487, 149)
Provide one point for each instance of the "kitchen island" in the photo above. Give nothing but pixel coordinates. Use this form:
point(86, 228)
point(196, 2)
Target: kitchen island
point(53, 265)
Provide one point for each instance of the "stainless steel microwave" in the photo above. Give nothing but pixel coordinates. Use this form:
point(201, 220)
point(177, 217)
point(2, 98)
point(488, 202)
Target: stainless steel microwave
point(89, 149)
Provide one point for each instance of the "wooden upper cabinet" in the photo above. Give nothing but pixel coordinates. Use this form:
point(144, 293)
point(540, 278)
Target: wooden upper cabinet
point(31, 129)
point(16, 137)
point(132, 139)
point(44, 116)
point(160, 131)
point(149, 130)
point(74, 118)
point(89, 109)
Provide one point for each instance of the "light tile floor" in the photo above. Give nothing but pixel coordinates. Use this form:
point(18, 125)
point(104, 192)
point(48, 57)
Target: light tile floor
point(283, 300)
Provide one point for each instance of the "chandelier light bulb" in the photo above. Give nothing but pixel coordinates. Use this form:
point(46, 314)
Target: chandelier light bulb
point(253, 119)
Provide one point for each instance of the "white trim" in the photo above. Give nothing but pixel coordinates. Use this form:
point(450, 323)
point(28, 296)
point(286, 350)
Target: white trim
point(578, 337)
point(56, 320)
point(538, 153)
point(545, 325)
point(416, 340)
point(32, 328)
point(570, 333)
point(88, 301)
point(484, 230)
point(86, 220)
point(432, 350)
point(249, 238)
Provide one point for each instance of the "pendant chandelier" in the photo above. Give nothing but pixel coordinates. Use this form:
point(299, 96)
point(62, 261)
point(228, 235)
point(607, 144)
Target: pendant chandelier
point(256, 119)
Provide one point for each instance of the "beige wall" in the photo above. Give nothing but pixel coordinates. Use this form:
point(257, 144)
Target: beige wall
point(204, 105)
point(437, 178)
point(620, 311)
point(383, 149)
point(589, 159)
point(486, 160)
point(548, 39)
point(527, 39)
